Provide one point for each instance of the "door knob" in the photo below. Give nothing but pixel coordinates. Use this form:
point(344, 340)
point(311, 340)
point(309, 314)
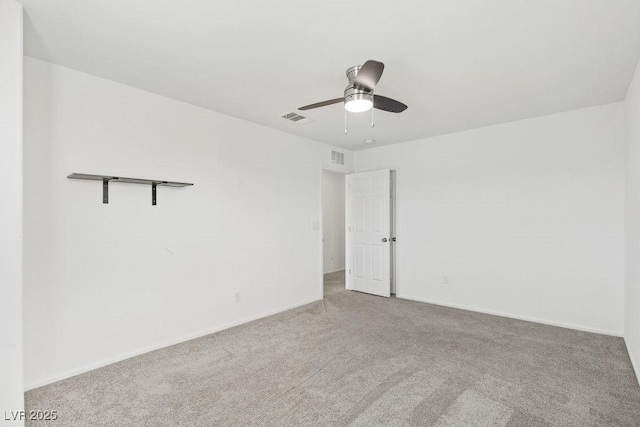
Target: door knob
point(384, 239)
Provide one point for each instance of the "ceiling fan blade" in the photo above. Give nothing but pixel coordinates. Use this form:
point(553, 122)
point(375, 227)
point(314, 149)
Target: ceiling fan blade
point(322, 104)
point(369, 75)
point(387, 104)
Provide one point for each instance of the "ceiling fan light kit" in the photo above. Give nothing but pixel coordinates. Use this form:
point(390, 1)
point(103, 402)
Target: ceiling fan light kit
point(357, 101)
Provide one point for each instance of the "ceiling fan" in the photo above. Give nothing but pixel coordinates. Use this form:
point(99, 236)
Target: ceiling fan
point(358, 95)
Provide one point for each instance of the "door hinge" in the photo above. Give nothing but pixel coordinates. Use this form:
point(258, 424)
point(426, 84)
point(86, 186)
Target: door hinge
point(349, 271)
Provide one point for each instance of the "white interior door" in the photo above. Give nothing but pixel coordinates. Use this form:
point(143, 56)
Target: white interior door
point(368, 234)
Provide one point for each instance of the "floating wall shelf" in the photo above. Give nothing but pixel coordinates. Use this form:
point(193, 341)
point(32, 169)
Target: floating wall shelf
point(107, 178)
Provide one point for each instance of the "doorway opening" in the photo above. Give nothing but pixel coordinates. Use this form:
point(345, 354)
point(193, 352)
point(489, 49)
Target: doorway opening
point(333, 222)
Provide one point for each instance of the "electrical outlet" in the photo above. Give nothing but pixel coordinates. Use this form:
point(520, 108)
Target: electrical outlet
point(238, 297)
point(445, 279)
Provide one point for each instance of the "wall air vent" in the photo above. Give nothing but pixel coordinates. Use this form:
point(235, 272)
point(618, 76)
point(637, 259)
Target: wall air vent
point(296, 118)
point(337, 157)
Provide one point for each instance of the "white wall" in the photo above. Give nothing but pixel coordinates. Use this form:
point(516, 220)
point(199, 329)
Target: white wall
point(11, 382)
point(333, 221)
point(526, 218)
point(632, 210)
point(103, 282)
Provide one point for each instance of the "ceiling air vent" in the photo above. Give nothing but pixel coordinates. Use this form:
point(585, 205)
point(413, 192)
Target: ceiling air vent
point(337, 157)
point(296, 118)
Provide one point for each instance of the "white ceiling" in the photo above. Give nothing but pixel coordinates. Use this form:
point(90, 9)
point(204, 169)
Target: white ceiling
point(457, 64)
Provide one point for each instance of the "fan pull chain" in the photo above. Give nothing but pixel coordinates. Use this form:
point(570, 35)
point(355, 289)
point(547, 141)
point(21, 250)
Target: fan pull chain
point(345, 121)
point(372, 100)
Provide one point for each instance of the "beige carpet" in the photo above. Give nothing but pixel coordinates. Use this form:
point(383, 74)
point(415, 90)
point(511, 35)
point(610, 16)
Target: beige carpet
point(356, 359)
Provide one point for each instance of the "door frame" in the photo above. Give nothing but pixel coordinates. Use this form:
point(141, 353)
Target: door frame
point(322, 171)
point(394, 231)
point(394, 228)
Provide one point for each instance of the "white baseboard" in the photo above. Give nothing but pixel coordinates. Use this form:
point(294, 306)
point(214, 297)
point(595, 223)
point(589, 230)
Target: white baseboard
point(111, 360)
point(515, 316)
point(635, 366)
point(334, 271)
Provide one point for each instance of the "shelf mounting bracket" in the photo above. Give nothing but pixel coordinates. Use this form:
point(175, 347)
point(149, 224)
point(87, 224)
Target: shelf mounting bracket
point(105, 191)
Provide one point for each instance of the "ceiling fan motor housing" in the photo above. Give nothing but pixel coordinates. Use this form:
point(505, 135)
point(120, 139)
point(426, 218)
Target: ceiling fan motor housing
point(352, 72)
point(351, 93)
